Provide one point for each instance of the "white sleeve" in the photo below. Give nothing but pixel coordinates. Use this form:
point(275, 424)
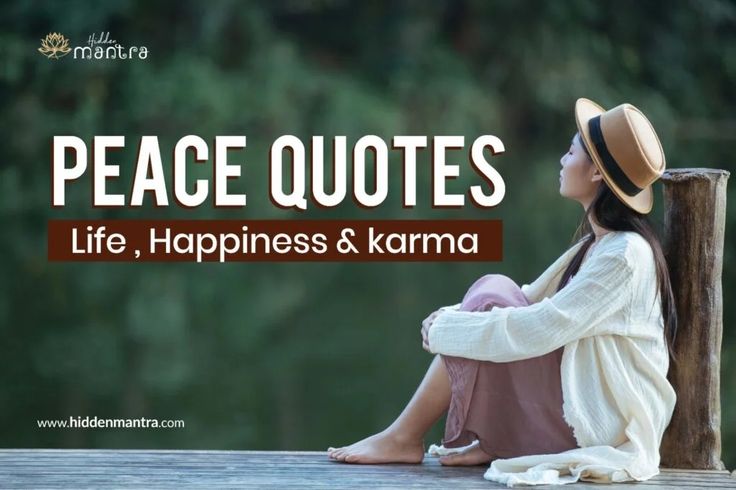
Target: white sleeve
point(600, 289)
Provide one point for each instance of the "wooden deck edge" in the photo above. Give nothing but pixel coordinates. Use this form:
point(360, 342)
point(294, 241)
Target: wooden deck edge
point(732, 474)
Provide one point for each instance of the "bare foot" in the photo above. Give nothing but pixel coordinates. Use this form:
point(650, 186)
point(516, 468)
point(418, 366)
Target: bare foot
point(470, 457)
point(384, 447)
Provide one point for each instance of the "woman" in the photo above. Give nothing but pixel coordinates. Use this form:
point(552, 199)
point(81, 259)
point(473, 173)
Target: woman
point(563, 379)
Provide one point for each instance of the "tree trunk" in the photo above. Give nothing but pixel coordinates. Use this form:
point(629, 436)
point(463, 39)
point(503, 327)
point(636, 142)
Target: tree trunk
point(694, 222)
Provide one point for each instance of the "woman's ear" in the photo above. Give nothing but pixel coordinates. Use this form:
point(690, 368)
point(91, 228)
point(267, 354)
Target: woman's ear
point(596, 175)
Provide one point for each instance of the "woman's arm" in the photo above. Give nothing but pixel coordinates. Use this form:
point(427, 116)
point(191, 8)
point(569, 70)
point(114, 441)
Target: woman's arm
point(599, 290)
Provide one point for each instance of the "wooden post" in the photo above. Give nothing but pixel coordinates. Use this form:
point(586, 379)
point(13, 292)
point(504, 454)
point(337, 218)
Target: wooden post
point(694, 222)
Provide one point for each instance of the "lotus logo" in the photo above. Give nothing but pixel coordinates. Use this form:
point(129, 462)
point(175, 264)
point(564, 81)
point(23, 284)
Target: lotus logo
point(54, 46)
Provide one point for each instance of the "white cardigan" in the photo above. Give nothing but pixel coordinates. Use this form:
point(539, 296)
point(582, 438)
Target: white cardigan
point(616, 396)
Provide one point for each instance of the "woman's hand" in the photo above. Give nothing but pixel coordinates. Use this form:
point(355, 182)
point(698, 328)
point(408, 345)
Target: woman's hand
point(426, 325)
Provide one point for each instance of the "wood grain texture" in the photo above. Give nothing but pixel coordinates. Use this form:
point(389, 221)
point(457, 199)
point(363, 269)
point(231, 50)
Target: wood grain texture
point(100, 469)
point(694, 223)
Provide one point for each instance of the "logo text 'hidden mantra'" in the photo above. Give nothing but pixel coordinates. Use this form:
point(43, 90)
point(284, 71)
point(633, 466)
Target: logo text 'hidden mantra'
point(99, 47)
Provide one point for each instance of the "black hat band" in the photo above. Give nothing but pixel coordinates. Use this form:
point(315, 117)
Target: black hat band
point(609, 163)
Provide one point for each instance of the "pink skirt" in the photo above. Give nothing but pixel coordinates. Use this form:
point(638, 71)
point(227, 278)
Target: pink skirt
point(511, 408)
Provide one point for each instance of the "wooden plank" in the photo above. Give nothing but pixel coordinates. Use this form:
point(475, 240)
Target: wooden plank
point(63, 469)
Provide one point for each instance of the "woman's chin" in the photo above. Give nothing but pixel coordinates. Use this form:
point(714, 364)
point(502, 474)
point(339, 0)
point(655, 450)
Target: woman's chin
point(566, 195)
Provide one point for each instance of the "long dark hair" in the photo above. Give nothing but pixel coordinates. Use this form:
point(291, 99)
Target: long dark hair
point(611, 213)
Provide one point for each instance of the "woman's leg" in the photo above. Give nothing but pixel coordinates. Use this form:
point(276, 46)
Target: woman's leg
point(403, 440)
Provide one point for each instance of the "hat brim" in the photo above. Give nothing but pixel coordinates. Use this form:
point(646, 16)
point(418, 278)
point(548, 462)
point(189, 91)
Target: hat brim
point(585, 110)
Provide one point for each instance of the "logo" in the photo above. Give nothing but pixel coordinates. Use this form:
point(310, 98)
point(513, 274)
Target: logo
point(99, 47)
point(54, 46)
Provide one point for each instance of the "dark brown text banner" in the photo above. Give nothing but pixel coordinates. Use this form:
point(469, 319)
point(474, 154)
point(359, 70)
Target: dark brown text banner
point(275, 240)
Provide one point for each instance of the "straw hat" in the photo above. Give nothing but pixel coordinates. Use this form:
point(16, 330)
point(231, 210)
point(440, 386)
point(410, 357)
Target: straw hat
point(625, 148)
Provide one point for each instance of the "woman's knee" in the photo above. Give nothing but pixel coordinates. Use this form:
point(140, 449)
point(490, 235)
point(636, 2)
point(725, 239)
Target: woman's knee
point(501, 281)
point(493, 290)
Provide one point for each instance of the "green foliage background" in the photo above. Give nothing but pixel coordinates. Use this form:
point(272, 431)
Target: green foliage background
point(302, 356)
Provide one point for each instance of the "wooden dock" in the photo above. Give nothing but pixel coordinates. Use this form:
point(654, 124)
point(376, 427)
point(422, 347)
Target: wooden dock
point(78, 469)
